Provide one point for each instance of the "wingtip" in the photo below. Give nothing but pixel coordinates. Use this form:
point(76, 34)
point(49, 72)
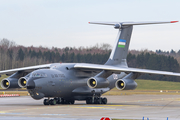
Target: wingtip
point(174, 21)
point(88, 22)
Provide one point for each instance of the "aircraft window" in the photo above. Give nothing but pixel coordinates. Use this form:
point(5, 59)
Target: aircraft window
point(43, 75)
point(39, 75)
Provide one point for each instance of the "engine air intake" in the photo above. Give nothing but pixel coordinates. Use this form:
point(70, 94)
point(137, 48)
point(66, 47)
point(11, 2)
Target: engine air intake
point(22, 82)
point(126, 84)
point(120, 84)
point(97, 82)
point(92, 82)
point(5, 83)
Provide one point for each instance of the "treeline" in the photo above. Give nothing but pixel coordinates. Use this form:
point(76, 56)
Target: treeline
point(172, 53)
point(15, 56)
point(154, 61)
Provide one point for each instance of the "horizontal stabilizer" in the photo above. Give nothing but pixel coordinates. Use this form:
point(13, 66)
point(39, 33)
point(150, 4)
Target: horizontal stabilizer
point(130, 23)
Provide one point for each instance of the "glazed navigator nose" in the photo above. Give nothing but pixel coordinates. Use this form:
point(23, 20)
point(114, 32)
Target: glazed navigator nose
point(31, 84)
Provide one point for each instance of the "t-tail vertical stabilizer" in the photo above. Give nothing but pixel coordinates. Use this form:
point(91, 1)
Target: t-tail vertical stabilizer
point(121, 45)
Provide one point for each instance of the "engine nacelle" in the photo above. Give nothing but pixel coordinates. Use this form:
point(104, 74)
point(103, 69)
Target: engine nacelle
point(126, 84)
point(23, 80)
point(97, 82)
point(8, 83)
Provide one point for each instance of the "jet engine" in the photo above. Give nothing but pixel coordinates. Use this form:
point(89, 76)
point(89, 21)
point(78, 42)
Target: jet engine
point(9, 83)
point(23, 80)
point(12, 81)
point(97, 82)
point(126, 84)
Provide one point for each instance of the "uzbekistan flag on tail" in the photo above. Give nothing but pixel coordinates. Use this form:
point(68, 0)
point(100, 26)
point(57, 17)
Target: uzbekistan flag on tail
point(122, 43)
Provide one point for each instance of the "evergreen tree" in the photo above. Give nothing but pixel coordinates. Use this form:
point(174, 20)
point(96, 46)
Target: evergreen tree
point(20, 54)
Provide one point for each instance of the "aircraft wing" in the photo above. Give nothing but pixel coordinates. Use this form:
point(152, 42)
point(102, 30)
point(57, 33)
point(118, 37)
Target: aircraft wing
point(26, 69)
point(122, 69)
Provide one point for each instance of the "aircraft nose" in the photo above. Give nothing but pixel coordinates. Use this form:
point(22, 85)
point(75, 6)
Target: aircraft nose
point(31, 84)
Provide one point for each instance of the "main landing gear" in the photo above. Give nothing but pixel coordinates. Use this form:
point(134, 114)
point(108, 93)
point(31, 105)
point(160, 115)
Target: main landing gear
point(57, 101)
point(96, 100)
point(90, 100)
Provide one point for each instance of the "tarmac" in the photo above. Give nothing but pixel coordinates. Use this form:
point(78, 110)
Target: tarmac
point(154, 107)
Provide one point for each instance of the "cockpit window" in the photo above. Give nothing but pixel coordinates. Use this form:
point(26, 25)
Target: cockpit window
point(38, 75)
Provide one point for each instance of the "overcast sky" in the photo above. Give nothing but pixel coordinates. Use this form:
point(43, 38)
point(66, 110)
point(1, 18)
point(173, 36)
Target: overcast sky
point(62, 23)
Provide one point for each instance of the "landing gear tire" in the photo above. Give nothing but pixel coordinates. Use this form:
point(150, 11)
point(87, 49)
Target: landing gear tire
point(46, 102)
point(104, 100)
point(52, 102)
point(58, 100)
point(69, 102)
point(63, 101)
point(72, 101)
point(89, 101)
point(96, 100)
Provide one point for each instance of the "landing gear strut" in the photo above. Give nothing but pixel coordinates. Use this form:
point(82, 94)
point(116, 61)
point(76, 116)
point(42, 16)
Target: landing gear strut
point(96, 100)
point(57, 101)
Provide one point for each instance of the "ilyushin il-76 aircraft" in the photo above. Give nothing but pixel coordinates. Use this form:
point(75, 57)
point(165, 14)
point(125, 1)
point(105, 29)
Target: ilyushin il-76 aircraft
point(63, 83)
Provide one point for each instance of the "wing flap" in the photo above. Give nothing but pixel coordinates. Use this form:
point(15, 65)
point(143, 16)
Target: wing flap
point(122, 69)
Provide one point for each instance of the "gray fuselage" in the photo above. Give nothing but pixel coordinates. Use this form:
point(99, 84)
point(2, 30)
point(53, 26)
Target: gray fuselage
point(61, 80)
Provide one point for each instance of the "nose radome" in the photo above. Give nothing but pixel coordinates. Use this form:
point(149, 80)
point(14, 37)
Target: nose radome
point(31, 84)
